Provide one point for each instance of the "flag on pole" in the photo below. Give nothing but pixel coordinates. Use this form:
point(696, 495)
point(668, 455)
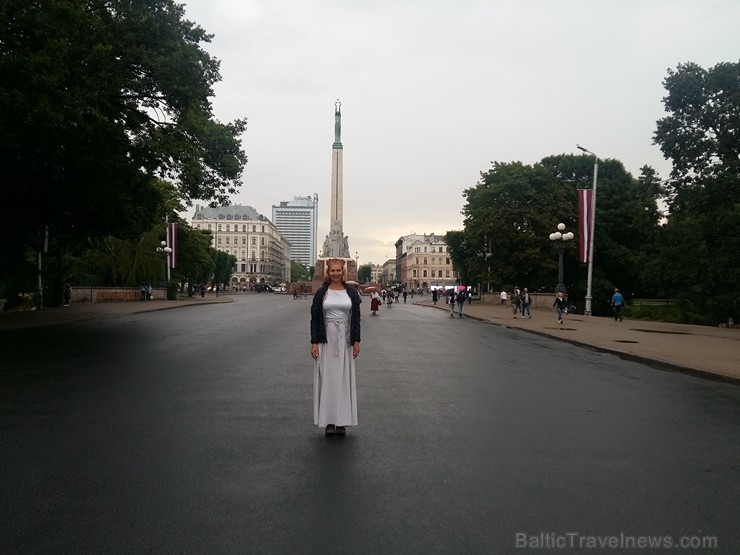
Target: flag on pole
point(584, 223)
point(172, 243)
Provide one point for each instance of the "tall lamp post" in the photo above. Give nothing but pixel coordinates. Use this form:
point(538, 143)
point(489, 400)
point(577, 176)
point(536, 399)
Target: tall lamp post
point(592, 229)
point(166, 251)
point(560, 237)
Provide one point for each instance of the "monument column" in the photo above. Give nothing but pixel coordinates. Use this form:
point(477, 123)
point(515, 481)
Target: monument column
point(336, 243)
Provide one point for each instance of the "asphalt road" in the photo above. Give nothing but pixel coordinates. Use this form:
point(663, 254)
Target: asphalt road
point(190, 431)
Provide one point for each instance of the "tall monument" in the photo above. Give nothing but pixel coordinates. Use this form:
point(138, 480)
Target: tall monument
point(336, 243)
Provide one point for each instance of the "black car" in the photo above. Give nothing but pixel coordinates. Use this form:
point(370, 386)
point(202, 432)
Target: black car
point(260, 287)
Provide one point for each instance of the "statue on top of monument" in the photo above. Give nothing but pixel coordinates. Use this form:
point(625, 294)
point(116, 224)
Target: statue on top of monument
point(337, 122)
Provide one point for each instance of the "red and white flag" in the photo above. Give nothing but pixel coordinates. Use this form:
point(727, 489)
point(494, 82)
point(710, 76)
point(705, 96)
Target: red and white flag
point(172, 242)
point(585, 197)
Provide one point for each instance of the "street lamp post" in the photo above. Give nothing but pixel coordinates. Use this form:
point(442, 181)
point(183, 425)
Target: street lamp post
point(561, 238)
point(592, 229)
point(166, 251)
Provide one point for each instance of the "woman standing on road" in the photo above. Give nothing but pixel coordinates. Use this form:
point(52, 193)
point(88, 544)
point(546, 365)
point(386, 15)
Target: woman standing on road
point(335, 344)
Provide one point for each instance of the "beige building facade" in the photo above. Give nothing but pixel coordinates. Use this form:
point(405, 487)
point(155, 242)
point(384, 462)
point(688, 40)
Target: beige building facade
point(262, 253)
point(423, 262)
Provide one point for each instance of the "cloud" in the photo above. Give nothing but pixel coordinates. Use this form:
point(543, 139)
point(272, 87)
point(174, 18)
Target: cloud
point(433, 91)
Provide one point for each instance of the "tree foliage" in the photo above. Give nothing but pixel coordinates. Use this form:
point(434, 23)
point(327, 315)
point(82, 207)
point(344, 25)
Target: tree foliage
point(511, 212)
point(298, 272)
point(224, 265)
point(364, 273)
point(100, 100)
point(697, 256)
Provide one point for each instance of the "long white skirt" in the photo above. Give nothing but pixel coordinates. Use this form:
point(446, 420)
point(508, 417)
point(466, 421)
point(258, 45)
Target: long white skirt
point(334, 387)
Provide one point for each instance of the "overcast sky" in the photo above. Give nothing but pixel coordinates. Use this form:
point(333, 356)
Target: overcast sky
point(433, 91)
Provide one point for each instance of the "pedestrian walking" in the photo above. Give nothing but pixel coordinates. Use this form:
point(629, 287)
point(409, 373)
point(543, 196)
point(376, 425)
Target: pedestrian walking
point(375, 302)
point(502, 296)
point(435, 297)
point(617, 304)
point(335, 344)
point(560, 306)
point(451, 300)
point(404, 296)
point(461, 296)
point(515, 300)
point(525, 304)
point(67, 294)
point(142, 292)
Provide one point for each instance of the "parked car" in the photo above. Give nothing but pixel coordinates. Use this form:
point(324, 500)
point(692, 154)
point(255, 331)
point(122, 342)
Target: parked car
point(263, 287)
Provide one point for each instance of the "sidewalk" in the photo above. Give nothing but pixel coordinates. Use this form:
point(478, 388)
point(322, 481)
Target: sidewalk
point(78, 312)
point(702, 350)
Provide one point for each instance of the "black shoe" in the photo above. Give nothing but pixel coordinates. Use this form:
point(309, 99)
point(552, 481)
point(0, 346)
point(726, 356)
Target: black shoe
point(330, 430)
point(341, 430)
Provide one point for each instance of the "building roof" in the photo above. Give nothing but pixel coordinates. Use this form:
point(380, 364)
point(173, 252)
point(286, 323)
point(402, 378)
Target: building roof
point(235, 212)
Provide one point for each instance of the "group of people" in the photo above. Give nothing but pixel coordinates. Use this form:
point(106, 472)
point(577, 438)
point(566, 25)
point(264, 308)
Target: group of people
point(520, 301)
point(146, 292)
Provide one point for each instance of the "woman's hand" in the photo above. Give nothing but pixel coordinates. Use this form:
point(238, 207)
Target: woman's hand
point(355, 350)
point(315, 351)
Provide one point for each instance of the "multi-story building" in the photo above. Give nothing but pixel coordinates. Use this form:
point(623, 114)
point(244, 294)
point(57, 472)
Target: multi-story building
point(423, 261)
point(297, 221)
point(376, 271)
point(262, 253)
point(388, 273)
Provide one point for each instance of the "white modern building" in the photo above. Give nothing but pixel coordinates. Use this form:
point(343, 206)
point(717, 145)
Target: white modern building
point(262, 253)
point(297, 221)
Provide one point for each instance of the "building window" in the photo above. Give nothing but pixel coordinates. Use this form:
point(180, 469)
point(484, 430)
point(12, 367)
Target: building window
point(244, 228)
point(227, 240)
point(425, 249)
point(424, 273)
point(447, 261)
point(219, 240)
point(254, 229)
point(263, 229)
point(414, 273)
point(227, 227)
point(244, 240)
point(262, 240)
point(219, 227)
point(447, 273)
point(425, 262)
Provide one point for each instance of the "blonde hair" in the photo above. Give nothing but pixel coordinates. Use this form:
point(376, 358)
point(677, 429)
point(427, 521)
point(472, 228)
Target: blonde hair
point(335, 261)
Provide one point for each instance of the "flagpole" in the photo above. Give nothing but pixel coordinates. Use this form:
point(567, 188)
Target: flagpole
point(589, 282)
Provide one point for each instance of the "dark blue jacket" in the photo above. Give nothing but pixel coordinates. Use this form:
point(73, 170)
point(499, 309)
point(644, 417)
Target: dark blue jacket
point(318, 328)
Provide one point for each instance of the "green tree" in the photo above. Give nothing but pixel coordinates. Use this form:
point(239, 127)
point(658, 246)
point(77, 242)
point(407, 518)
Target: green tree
point(697, 258)
point(100, 100)
point(223, 267)
point(195, 263)
point(513, 209)
point(298, 272)
point(364, 273)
